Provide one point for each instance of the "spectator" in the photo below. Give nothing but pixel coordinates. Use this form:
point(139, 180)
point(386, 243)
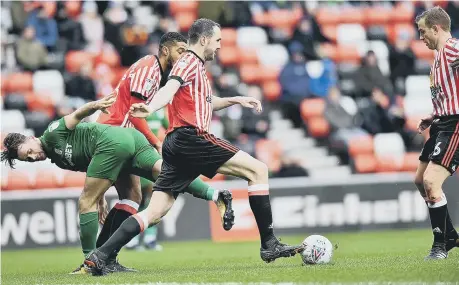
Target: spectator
point(114, 18)
point(369, 77)
point(70, 32)
point(294, 81)
point(255, 124)
point(322, 77)
point(304, 34)
point(18, 16)
point(81, 85)
point(45, 28)
point(93, 26)
point(31, 54)
point(401, 61)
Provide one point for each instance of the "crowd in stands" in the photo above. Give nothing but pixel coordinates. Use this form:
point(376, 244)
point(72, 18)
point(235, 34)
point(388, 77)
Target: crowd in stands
point(343, 83)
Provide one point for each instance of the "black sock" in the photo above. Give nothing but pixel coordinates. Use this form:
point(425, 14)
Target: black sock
point(438, 218)
point(261, 209)
point(128, 230)
point(450, 230)
point(117, 215)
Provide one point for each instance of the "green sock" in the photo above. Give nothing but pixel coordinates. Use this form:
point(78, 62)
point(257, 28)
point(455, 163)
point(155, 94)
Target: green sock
point(201, 190)
point(89, 225)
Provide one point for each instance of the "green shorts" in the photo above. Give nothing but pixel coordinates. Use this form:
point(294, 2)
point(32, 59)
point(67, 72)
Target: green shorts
point(122, 149)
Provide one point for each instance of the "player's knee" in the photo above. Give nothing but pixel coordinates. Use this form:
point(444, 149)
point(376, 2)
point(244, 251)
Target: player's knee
point(86, 204)
point(419, 182)
point(432, 187)
point(260, 172)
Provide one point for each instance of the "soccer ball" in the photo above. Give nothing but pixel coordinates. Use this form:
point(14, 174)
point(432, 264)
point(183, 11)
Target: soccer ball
point(317, 250)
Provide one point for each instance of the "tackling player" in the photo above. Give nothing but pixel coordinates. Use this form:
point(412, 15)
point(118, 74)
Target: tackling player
point(440, 156)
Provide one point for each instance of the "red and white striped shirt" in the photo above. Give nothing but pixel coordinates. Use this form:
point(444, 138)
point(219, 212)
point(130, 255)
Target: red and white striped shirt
point(444, 80)
point(192, 104)
point(138, 85)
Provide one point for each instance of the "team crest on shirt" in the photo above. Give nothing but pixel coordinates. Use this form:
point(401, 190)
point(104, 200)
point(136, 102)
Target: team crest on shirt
point(182, 63)
point(58, 151)
point(53, 126)
point(149, 84)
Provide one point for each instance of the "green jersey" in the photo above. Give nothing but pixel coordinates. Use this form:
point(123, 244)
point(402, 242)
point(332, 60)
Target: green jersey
point(71, 149)
point(157, 120)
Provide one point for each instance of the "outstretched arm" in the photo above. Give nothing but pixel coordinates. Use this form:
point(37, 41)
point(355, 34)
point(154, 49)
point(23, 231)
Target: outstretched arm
point(72, 120)
point(164, 96)
point(248, 102)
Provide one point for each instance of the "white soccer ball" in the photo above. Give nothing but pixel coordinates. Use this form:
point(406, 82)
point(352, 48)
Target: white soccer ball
point(317, 250)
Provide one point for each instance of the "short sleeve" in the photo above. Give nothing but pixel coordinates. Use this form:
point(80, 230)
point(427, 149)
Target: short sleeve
point(55, 130)
point(184, 70)
point(452, 51)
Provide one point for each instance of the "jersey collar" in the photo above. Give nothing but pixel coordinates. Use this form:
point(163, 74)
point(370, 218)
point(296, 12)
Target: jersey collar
point(160, 67)
point(196, 55)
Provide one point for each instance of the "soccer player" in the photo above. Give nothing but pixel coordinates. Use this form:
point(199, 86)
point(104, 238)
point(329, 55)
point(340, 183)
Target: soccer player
point(189, 150)
point(138, 85)
point(440, 155)
point(107, 154)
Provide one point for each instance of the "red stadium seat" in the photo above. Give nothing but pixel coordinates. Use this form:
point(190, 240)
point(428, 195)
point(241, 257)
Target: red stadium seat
point(330, 32)
point(311, 108)
point(218, 177)
point(412, 123)
point(228, 55)
point(46, 179)
point(393, 31)
point(250, 73)
point(354, 15)
point(18, 82)
point(261, 18)
point(272, 90)
point(385, 164)
point(365, 163)
point(75, 59)
point(270, 73)
point(185, 20)
point(402, 14)
point(377, 16)
point(109, 57)
point(421, 51)
point(329, 51)
point(176, 7)
point(410, 162)
point(283, 19)
point(269, 152)
point(361, 145)
point(74, 179)
point(40, 102)
point(248, 56)
point(73, 8)
point(318, 127)
point(328, 16)
point(347, 53)
point(229, 37)
point(17, 180)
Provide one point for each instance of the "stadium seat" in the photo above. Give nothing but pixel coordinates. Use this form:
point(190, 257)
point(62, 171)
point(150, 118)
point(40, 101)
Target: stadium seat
point(251, 37)
point(248, 55)
point(185, 20)
point(18, 82)
point(15, 101)
point(50, 82)
point(17, 180)
point(109, 57)
point(274, 55)
point(410, 162)
point(389, 145)
point(361, 145)
point(315, 68)
point(412, 122)
point(12, 120)
point(346, 53)
point(415, 107)
point(354, 15)
point(328, 16)
point(261, 18)
point(45, 179)
point(272, 90)
point(330, 32)
point(379, 47)
point(74, 179)
point(422, 67)
point(229, 55)
point(329, 51)
point(73, 8)
point(229, 37)
point(388, 164)
point(402, 13)
point(40, 102)
point(393, 31)
point(216, 178)
point(176, 7)
point(269, 152)
point(365, 163)
point(250, 73)
point(421, 51)
point(377, 15)
point(318, 127)
point(284, 19)
point(377, 32)
point(417, 85)
point(75, 59)
point(269, 73)
point(310, 108)
point(353, 34)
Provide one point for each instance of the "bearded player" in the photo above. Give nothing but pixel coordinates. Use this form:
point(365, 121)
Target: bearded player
point(439, 158)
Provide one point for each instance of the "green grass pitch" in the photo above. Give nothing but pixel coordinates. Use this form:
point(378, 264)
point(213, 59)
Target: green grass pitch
point(382, 256)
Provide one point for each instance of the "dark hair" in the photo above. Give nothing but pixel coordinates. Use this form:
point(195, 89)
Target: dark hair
point(11, 143)
point(435, 16)
point(201, 27)
point(169, 39)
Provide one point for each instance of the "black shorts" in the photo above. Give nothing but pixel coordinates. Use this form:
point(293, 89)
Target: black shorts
point(188, 153)
point(442, 147)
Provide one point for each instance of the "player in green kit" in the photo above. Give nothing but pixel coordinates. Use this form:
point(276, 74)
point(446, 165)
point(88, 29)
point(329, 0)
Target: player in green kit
point(108, 155)
point(148, 238)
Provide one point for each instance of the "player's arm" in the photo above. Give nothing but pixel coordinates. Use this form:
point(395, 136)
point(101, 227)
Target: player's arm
point(162, 97)
point(142, 126)
point(452, 54)
point(248, 102)
point(72, 120)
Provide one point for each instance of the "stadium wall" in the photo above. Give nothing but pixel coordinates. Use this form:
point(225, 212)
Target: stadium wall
point(46, 218)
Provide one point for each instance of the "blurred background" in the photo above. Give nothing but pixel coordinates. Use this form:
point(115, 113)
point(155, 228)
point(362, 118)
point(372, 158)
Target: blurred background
point(343, 86)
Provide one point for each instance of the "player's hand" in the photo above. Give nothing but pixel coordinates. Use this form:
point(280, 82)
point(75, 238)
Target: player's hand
point(103, 210)
point(139, 110)
point(455, 63)
point(249, 102)
point(425, 123)
point(159, 147)
point(105, 102)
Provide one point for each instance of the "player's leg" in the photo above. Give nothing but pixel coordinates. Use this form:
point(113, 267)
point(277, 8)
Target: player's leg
point(244, 166)
point(150, 236)
point(444, 160)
